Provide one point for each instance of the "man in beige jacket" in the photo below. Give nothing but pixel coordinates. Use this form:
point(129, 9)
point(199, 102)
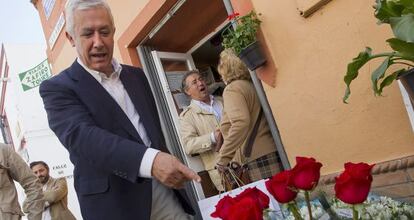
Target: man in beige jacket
point(199, 124)
point(12, 167)
point(55, 193)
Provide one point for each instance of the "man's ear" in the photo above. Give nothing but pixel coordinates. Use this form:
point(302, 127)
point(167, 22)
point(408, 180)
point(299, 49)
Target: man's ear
point(70, 38)
point(186, 92)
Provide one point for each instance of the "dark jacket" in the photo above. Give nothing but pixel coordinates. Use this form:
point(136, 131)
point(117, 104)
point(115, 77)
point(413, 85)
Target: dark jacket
point(104, 146)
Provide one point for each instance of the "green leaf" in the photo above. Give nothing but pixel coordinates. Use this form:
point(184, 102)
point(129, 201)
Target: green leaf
point(389, 79)
point(385, 9)
point(403, 27)
point(405, 49)
point(408, 4)
point(353, 69)
point(379, 73)
point(243, 35)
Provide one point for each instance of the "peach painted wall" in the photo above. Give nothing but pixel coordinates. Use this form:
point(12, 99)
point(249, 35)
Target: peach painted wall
point(311, 55)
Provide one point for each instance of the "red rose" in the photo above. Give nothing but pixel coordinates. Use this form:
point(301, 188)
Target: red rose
point(278, 187)
point(305, 175)
point(223, 207)
point(353, 185)
point(256, 194)
point(247, 208)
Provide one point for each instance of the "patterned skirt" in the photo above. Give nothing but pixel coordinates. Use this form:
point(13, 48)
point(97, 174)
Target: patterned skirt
point(264, 167)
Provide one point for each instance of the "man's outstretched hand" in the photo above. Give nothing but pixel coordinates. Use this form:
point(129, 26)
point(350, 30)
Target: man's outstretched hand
point(171, 172)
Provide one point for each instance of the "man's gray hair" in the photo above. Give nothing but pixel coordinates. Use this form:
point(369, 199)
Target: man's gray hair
point(73, 5)
point(184, 85)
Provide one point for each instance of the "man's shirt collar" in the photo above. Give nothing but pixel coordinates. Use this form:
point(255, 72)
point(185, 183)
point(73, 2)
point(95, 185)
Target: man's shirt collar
point(99, 76)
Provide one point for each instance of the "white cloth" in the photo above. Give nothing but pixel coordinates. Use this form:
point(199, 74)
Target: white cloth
point(113, 85)
point(46, 213)
point(213, 107)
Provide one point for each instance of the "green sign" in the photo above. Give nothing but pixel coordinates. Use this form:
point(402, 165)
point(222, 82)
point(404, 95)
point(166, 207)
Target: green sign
point(33, 77)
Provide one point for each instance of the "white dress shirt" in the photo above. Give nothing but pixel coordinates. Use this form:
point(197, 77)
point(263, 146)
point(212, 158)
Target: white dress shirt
point(113, 85)
point(213, 107)
point(46, 213)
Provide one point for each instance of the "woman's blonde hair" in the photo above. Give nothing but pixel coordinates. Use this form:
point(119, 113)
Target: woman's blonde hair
point(231, 67)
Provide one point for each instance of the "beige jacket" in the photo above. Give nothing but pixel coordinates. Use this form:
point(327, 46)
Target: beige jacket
point(241, 109)
point(12, 167)
point(196, 126)
point(56, 197)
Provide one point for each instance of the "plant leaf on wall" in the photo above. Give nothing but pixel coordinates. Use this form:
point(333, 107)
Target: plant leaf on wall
point(405, 50)
point(389, 79)
point(409, 6)
point(399, 14)
point(384, 10)
point(353, 69)
point(403, 27)
point(379, 74)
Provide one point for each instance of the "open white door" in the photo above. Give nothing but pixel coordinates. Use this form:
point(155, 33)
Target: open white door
point(171, 68)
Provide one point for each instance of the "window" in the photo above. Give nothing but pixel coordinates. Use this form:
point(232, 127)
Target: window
point(48, 7)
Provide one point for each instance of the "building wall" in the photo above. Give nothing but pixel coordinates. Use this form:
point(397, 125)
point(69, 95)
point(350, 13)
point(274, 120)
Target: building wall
point(311, 55)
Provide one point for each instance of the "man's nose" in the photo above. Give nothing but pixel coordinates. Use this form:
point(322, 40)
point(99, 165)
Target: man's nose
point(97, 40)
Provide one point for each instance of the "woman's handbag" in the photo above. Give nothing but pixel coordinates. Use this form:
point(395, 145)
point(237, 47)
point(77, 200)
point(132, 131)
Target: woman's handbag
point(236, 174)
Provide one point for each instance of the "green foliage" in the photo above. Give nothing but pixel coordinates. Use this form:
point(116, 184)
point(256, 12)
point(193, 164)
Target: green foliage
point(399, 14)
point(403, 27)
point(243, 35)
point(406, 50)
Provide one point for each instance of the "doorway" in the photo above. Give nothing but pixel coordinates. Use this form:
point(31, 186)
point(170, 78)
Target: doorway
point(187, 38)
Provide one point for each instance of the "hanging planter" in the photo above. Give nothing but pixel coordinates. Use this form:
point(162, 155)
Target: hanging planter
point(242, 39)
point(253, 56)
point(407, 79)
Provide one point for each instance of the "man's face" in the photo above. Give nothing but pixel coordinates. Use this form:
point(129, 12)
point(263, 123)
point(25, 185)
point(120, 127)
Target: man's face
point(94, 38)
point(41, 172)
point(196, 87)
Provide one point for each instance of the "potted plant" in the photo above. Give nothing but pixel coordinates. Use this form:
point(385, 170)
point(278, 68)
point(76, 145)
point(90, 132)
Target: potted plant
point(399, 14)
point(242, 39)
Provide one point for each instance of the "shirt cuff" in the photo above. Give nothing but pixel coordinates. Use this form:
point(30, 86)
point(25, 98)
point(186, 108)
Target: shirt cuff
point(146, 163)
point(212, 138)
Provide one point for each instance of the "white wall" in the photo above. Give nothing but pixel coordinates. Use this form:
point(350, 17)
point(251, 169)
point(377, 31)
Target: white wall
point(24, 109)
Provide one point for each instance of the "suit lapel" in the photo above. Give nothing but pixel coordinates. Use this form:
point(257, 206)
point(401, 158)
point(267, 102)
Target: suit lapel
point(98, 98)
point(140, 101)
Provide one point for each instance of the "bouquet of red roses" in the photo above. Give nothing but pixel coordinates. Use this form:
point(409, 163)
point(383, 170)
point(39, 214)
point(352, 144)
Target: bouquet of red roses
point(352, 187)
point(248, 205)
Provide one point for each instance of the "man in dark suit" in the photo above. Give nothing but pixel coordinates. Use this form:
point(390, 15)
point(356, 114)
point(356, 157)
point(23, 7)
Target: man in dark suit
point(105, 115)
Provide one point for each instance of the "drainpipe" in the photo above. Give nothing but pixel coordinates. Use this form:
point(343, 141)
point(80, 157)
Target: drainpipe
point(3, 131)
point(265, 105)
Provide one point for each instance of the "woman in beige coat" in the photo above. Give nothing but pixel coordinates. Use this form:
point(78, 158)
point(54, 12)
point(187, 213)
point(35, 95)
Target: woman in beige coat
point(240, 113)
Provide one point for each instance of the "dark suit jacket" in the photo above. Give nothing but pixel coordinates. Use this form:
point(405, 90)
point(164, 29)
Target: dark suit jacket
point(104, 146)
